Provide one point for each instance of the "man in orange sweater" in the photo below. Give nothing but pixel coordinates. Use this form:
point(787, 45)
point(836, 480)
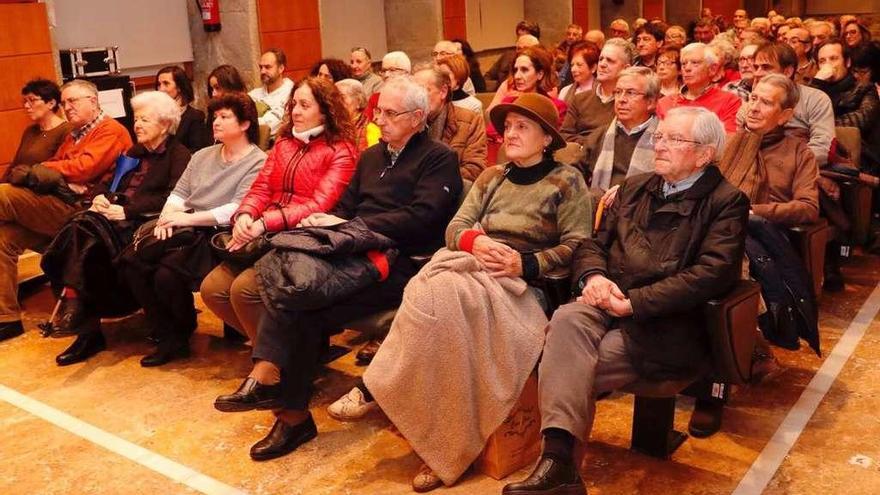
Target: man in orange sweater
point(32, 212)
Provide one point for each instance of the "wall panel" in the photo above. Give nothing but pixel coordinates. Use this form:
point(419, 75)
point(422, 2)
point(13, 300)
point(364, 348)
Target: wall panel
point(295, 27)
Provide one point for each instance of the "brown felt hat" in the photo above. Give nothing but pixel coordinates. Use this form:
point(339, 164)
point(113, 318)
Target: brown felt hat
point(536, 107)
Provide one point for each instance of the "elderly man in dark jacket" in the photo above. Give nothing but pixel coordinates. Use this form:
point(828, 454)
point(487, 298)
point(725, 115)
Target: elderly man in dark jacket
point(674, 239)
point(406, 189)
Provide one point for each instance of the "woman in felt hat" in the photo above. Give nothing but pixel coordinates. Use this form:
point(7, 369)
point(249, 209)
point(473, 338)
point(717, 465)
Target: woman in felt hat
point(471, 326)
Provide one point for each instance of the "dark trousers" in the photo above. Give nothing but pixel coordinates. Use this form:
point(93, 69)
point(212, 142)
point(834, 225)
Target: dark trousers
point(292, 340)
point(166, 298)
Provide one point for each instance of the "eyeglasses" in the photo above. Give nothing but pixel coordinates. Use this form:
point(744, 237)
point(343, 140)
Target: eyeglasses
point(389, 114)
point(628, 94)
point(665, 63)
point(441, 54)
point(392, 70)
point(73, 101)
point(31, 100)
point(672, 141)
point(798, 40)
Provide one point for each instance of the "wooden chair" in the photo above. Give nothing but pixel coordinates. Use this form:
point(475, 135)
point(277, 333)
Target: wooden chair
point(810, 242)
point(855, 196)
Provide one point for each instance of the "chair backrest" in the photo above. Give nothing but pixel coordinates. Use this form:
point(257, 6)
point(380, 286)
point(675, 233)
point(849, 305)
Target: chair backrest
point(485, 99)
point(809, 241)
point(851, 139)
point(732, 326)
point(569, 155)
point(264, 137)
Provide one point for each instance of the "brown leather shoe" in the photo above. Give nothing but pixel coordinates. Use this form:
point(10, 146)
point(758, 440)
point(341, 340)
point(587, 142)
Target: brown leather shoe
point(368, 352)
point(426, 480)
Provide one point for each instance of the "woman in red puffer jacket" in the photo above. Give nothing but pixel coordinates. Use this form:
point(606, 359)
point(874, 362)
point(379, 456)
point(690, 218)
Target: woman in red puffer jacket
point(306, 172)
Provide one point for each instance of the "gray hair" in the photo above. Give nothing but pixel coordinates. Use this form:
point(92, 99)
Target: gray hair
point(353, 89)
point(629, 50)
point(706, 128)
point(439, 77)
point(708, 55)
point(87, 86)
point(166, 109)
point(398, 59)
point(415, 97)
point(726, 50)
point(652, 84)
point(792, 92)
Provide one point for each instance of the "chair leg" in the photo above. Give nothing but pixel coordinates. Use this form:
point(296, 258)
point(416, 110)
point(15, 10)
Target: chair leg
point(652, 429)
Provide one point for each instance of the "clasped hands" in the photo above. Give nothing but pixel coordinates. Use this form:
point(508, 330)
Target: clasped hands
point(110, 211)
point(500, 259)
point(606, 295)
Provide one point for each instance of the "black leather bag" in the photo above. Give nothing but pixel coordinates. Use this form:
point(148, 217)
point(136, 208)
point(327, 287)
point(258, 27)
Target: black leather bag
point(247, 255)
point(147, 247)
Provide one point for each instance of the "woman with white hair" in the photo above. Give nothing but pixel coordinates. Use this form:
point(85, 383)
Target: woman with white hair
point(80, 259)
point(355, 100)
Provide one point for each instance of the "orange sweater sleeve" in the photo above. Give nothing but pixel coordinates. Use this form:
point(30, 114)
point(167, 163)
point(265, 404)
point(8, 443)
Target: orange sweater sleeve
point(92, 157)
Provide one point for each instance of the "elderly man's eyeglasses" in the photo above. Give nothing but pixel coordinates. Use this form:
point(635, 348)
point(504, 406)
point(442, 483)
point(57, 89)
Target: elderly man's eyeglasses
point(389, 114)
point(442, 54)
point(629, 94)
point(671, 141)
point(392, 70)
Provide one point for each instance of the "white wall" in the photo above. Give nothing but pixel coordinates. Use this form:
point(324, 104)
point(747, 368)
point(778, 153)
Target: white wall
point(492, 23)
point(346, 24)
point(149, 33)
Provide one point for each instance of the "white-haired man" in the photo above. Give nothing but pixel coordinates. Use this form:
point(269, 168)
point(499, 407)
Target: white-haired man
point(636, 316)
point(698, 64)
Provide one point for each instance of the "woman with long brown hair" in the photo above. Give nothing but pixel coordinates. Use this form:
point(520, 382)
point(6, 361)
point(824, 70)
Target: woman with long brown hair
point(306, 172)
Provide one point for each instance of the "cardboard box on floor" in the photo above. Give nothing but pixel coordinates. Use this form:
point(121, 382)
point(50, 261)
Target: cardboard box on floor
point(517, 442)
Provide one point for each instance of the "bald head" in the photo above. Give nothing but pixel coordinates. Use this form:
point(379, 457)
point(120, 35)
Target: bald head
point(526, 41)
point(595, 36)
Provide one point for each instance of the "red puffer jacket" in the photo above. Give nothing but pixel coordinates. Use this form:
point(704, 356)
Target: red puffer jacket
point(299, 179)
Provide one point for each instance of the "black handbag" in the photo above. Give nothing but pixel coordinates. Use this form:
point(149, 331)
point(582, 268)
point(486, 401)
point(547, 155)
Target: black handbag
point(148, 248)
point(246, 255)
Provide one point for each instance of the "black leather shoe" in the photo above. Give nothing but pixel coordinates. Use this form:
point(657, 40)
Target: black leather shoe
point(166, 352)
point(250, 395)
point(706, 418)
point(11, 329)
point(283, 439)
point(550, 477)
point(85, 346)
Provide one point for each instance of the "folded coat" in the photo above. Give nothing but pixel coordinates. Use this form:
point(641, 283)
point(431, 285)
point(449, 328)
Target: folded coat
point(311, 268)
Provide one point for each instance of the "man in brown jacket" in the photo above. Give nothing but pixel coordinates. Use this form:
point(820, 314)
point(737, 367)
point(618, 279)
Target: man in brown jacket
point(673, 240)
point(460, 129)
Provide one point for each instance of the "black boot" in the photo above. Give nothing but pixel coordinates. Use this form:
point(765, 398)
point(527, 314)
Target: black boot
point(166, 351)
point(85, 346)
point(550, 477)
point(706, 418)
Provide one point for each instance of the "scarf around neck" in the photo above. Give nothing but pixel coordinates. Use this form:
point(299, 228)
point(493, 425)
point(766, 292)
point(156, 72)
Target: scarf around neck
point(642, 158)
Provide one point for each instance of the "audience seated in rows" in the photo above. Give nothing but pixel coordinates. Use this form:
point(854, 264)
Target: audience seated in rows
point(306, 172)
point(170, 256)
point(403, 194)
point(532, 214)
point(639, 312)
point(500, 70)
point(80, 259)
point(458, 71)
point(41, 197)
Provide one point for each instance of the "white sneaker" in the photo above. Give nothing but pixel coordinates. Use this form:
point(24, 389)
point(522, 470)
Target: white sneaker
point(351, 406)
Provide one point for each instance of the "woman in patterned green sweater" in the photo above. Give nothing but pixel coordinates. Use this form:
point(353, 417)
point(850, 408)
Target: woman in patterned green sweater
point(469, 326)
